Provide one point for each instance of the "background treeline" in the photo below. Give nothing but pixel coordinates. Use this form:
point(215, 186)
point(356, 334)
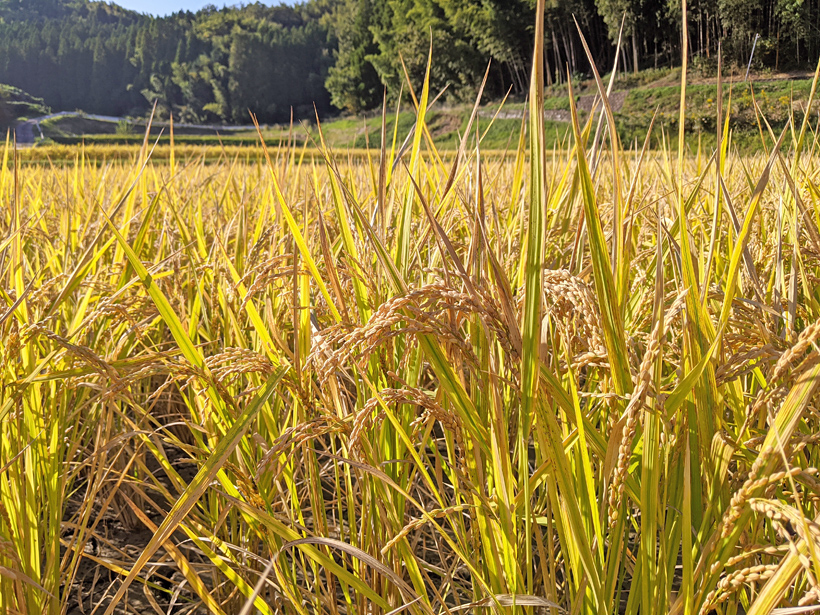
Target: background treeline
point(211, 66)
point(216, 64)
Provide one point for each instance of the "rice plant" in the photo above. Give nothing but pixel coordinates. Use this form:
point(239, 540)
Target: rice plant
point(571, 381)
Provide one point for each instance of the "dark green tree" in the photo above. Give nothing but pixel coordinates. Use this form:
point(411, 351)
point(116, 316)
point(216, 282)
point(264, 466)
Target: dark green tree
point(352, 81)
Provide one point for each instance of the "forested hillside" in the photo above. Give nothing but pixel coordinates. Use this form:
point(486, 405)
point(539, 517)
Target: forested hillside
point(210, 66)
point(217, 64)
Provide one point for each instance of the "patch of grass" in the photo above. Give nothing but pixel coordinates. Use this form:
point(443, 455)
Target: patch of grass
point(68, 126)
point(75, 125)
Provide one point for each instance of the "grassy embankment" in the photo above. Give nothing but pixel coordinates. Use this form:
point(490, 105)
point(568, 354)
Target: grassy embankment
point(638, 98)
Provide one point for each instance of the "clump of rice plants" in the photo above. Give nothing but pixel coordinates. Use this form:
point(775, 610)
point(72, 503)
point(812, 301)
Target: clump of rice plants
point(575, 381)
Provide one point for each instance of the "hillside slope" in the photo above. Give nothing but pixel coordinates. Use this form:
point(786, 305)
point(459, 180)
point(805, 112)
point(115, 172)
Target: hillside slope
point(16, 104)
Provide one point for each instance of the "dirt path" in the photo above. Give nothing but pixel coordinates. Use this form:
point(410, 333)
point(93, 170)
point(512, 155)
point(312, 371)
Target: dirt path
point(616, 100)
point(28, 131)
point(115, 119)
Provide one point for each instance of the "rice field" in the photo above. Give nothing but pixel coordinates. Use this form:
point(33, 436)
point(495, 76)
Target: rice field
point(571, 381)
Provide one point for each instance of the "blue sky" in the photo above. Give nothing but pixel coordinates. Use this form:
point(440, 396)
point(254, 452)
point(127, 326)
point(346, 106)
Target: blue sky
point(166, 7)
